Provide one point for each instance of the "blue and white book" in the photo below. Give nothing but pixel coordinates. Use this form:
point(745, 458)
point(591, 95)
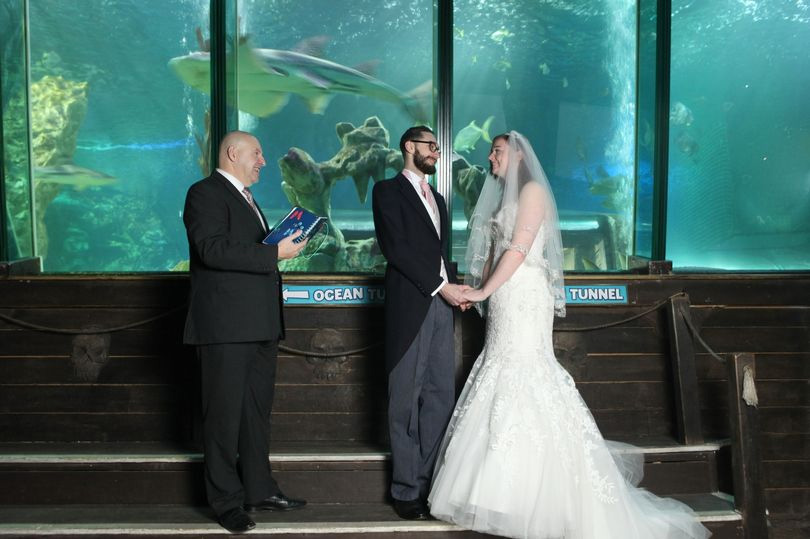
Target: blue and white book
point(298, 219)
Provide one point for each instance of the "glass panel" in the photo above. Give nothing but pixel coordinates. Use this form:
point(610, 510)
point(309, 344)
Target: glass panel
point(645, 131)
point(563, 74)
point(739, 168)
point(328, 88)
point(19, 240)
point(115, 131)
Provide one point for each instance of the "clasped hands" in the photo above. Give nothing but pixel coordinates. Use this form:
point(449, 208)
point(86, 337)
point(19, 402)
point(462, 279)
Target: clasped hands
point(461, 295)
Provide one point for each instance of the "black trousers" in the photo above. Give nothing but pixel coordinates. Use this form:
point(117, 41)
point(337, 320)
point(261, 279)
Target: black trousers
point(238, 382)
point(421, 397)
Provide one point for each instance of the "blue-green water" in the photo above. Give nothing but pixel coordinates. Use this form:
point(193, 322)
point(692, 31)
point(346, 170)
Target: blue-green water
point(561, 72)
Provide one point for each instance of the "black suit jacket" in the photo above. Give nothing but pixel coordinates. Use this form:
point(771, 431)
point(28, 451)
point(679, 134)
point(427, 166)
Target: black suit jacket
point(235, 285)
point(408, 240)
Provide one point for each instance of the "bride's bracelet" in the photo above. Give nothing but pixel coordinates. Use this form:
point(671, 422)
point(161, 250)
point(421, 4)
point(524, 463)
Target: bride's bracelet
point(517, 247)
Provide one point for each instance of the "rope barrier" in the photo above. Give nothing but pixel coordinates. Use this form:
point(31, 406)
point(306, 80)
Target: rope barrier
point(297, 351)
point(89, 331)
point(312, 353)
point(749, 387)
point(625, 320)
point(699, 339)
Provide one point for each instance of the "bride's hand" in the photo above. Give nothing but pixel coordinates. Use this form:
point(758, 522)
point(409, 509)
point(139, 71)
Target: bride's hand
point(475, 295)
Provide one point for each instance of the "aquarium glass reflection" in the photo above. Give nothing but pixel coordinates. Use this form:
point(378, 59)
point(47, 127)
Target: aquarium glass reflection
point(114, 130)
point(563, 74)
point(17, 215)
point(739, 156)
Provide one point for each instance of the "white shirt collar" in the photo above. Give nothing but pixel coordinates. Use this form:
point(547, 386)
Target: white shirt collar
point(231, 178)
point(414, 178)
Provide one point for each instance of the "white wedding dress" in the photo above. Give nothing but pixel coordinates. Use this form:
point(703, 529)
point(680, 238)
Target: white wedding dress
point(522, 456)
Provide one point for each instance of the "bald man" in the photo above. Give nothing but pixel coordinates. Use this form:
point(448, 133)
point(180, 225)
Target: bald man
point(235, 321)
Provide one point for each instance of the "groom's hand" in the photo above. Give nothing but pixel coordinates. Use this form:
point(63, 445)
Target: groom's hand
point(453, 293)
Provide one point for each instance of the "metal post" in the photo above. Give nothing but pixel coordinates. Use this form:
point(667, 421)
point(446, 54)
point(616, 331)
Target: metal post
point(218, 78)
point(443, 77)
point(661, 152)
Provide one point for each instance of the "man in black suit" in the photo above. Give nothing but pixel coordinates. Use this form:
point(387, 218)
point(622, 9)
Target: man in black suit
point(235, 321)
point(412, 227)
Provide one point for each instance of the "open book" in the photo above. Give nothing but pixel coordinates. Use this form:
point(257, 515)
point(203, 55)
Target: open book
point(297, 219)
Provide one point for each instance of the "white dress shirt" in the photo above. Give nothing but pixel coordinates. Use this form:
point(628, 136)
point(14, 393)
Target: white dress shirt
point(415, 180)
point(241, 188)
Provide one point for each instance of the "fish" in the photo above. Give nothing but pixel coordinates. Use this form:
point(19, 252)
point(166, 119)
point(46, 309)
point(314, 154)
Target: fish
point(544, 69)
point(503, 65)
point(645, 137)
point(69, 174)
point(467, 138)
point(499, 35)
point(421, 99)
point(687, 144)
point(267, 77)
point(680, 114)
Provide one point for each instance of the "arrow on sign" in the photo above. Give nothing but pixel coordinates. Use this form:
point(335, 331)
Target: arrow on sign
point(295, 294)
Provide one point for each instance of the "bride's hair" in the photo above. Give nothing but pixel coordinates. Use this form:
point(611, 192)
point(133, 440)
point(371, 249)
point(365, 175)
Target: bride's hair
point(523, 174)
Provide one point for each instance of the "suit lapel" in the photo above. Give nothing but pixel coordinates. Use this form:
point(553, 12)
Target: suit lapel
point(413, 198)
point(238, 196)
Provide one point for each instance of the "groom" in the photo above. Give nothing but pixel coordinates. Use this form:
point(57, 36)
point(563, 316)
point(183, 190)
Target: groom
point(411, 223)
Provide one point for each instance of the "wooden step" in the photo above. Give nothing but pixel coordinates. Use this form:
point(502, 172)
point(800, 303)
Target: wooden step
point(320, 473)
point(366, 521)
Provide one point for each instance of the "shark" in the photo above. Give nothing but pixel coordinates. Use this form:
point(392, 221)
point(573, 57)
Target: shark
point(69, 174)
point(267, 78)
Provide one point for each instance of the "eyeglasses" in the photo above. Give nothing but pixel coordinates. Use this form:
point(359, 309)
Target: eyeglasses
point(432, 146)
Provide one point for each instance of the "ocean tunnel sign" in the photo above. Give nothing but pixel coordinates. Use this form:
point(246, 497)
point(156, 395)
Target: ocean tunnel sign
point(347, 294)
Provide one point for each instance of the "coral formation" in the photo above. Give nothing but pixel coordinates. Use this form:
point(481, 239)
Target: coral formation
point(365, 155)
point(468, 180)
point(57, 109)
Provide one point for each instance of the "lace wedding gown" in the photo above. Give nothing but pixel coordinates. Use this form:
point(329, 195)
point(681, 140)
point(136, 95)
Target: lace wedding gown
point(522, 456)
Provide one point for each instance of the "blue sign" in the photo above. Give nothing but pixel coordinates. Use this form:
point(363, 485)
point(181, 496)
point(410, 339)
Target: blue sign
point(596, 294)
point(332, 294)
point(346, 294)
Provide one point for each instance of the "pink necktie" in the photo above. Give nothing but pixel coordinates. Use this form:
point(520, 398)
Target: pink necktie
point(428, 194)
point(249, 197)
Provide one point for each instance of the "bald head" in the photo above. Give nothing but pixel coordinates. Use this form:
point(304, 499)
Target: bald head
point(240, 154)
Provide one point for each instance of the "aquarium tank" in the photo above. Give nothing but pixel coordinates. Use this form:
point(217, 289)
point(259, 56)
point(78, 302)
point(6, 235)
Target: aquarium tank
point(107, 120)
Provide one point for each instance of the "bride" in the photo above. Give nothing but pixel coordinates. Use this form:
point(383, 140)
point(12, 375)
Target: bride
point(522, 456)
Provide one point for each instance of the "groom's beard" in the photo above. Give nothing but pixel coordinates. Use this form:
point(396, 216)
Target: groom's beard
point(421, 163)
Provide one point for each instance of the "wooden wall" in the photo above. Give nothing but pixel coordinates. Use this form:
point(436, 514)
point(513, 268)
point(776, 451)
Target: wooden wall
point(146, 391)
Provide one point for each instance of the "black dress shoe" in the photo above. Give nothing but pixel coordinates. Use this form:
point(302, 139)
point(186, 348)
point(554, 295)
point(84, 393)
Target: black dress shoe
point(278, 502)
point(411, 509)
point(236, 520)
